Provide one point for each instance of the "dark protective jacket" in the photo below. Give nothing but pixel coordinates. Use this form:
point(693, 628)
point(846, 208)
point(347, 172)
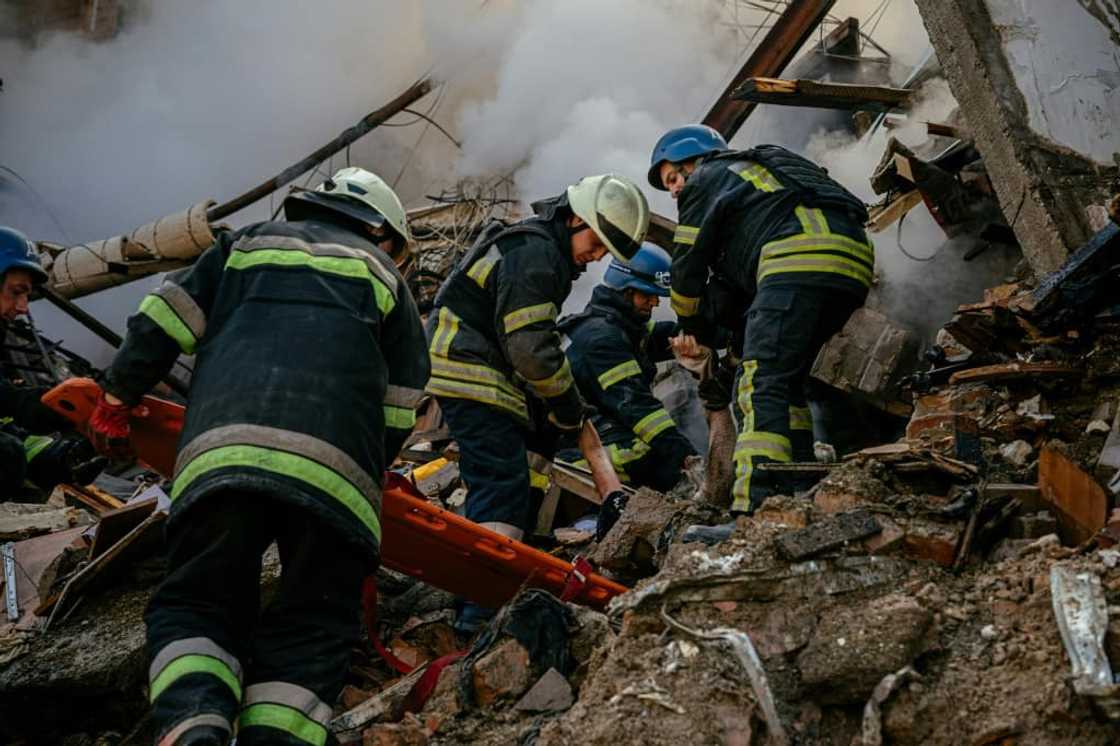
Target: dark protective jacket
point(763, 217)
point(492, 333)
point(613, 352)
point(24, 417)
point(310, 361)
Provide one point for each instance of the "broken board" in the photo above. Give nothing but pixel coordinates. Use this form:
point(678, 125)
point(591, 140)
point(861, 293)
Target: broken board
point(828, 534)
point(418, 539)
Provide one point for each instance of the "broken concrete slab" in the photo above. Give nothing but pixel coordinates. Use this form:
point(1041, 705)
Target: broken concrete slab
point(854, 648)
point(24, 520)
point(634, 538)
point(551, 693)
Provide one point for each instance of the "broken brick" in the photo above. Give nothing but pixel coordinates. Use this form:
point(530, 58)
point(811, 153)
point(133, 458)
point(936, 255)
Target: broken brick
point(503, 673)
point(410, 732)
point(927, 540)
point(1078, 501)
point(352, 696)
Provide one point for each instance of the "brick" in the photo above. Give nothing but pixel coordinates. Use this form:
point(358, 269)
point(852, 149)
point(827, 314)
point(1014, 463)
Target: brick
point(352, 696)
point(888, 540)
point(1078, 501)
point(411, 732)
point(503, 673)
point(927, 540)
point(837, 500)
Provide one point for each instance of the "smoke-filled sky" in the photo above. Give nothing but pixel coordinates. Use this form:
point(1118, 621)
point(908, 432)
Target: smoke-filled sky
point(206, 99)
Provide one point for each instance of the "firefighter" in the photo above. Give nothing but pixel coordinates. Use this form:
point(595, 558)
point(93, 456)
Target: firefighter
point(768, 241)
point(310, 358)
point(614, 347)
point(501, 379)
point(35, 443)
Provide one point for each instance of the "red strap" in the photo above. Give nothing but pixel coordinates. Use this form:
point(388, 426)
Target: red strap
point(369, 615)
point(577, 579)
point(422, 689)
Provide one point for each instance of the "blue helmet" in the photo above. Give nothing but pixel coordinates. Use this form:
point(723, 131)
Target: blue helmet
point(648, 272)
point(682, 144)
point(17, 252)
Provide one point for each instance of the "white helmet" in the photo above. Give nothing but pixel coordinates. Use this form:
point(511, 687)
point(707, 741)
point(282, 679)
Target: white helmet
point(358, 194)
point(616, 210)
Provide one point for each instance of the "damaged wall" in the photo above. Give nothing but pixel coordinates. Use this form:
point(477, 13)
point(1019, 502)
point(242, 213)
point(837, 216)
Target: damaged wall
point(1037, 84)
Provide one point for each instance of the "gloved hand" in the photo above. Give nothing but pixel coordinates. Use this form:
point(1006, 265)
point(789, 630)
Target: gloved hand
point(717, 391)
point(609, 513)
point(565, 423)
point(109, 427)
point(69, 459)
point(29, 413)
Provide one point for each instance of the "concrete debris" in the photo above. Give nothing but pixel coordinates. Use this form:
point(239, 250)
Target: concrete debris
point(22, 521)
point(502, 673)
point(1017, 452)
point(551, 693)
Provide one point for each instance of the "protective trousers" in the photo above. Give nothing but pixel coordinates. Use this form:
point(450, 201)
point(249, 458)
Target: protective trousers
point(219, 665)
point(785, 329)
point(504, 463)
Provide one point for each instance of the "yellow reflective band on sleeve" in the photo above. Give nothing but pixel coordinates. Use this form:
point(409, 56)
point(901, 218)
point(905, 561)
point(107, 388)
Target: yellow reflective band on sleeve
point(446, 329)
point(539, 481)
point(33, 445)
point(618, 373)
point(523, 317)
point(399, 417)
point(555, 385)
point(481, 269)
point(191, 664)
point(286, 464)
point(351, 267)
point(653, 424)
point(684, 305)
point(685, 234)
point(158, 310)
point(282, 718)
point(813, 221)
point(761, 178)
point(800, 418)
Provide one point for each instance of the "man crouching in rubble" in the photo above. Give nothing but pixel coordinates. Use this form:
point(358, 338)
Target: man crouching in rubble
point(773, 234)
point(614, 347)
point(502, 381)
point(310, 359)
point(29, 448)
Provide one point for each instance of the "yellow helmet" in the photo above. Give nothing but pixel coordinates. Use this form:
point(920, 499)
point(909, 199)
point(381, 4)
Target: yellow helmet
point(616, 210)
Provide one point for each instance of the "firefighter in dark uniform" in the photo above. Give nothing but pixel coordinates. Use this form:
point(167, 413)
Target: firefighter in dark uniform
point(504, 386)
point(614, 347)
point(36, 444)
point(310, 361)
point(788, 242)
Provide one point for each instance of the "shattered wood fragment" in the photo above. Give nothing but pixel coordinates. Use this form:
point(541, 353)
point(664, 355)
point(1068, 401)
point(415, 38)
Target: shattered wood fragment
point(1079, 502)
point(1061, 286)
point(388, 704)
point(1014, 371)
point(883, 217)
point(821, 95)
point(90, 496)
point(115, 524)
point(828, 534)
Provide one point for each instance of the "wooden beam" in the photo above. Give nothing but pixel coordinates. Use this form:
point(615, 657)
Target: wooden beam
point(785, 38)
point(813, 94)
point(884, 217)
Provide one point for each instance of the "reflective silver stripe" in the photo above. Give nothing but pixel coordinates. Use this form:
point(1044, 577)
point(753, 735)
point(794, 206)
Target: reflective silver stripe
point(813, 220)
point(289, 695)
point(192, 646)
point(180, 729)
point(301, 444)
point(290, 243)
point(402, 396)
point(184, 306)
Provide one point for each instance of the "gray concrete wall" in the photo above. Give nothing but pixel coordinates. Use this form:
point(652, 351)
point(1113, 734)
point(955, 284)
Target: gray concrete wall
point(1038, 82)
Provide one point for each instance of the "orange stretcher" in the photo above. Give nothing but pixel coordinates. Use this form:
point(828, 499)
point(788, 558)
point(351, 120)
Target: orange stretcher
point(418, 539)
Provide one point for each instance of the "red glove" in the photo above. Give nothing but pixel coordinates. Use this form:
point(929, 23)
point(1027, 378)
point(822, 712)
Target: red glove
point(109, 428)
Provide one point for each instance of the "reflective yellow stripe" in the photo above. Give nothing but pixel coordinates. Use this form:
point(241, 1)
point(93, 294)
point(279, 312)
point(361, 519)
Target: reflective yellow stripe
point(287, 719)
point(481, 269)
point(746, 389)
point(286, 464)
point(831, 242)
point(473, 373)
point(685, 234)
point(399, 417)
point(800, 418)
point(539, 481)
point(480, 393)
point(684, 305)
point(556, 384)
point(190, 664)
point(446, 329)
point(33, 445)
point(620, 372)
point(813, 221)
point(772, 445)
point(762, 179)
point(351, 267)
point(157, 309)
point(653, 424)
point(827, 263)
point(523, 317)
